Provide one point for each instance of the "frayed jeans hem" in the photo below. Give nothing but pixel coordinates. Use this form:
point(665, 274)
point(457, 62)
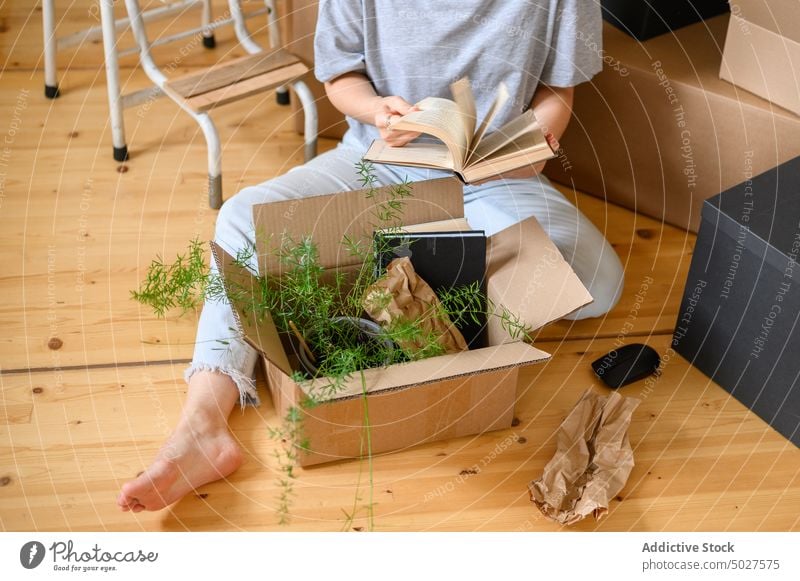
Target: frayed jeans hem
point(248, 396)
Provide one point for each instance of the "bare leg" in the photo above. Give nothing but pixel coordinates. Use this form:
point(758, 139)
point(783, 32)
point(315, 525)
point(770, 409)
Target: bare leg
point(199, 451)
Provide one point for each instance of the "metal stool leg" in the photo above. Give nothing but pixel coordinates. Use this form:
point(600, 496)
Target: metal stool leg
point(311, 128)
point(50, 49)
point(282, 95)
point(215, 192)
point(214, 158)
point(240, 27)
point(202, 119)
point(112, 79)
point(208, 35)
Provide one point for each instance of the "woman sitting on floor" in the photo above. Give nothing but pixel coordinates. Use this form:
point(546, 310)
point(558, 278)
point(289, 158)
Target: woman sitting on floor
point(376, 58)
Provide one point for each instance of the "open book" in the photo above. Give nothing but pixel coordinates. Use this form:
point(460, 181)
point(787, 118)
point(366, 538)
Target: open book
point(465, 149)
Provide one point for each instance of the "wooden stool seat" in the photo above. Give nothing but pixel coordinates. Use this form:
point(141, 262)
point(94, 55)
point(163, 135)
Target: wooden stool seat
point(236, 79)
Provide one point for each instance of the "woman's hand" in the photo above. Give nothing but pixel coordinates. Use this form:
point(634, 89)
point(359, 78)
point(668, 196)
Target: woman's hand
point(390, 109)
point(354, 95)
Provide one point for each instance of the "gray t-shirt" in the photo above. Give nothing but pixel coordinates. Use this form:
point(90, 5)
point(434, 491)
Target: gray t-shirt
point(416, 48)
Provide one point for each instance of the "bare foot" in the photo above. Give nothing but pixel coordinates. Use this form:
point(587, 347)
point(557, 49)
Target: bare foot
point(200, 450)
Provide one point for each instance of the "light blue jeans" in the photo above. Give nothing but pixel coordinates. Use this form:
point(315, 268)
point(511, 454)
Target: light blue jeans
point(491, 207)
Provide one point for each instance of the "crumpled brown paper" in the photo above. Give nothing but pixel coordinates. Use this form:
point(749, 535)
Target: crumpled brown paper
point(592, 462)
point(402, 295)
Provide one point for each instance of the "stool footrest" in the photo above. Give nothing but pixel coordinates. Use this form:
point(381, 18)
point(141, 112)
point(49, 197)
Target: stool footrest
point(236, 79)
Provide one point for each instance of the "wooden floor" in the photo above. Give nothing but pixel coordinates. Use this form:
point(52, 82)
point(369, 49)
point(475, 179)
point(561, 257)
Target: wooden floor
point(91, 383)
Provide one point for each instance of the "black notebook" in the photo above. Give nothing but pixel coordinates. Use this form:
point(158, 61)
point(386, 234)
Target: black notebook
point(444, 260)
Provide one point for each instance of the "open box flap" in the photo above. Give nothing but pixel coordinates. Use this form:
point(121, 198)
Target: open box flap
point(745, 62)
point(527, 275)
point(261, 334)
point(778, 16)
point(327, 219)
point(695, 73)
point(434, 369)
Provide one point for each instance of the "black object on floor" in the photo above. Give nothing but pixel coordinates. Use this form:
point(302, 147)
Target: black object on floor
point(739, 321)
point(209, 41)
point(644, 20)
point(626, 365)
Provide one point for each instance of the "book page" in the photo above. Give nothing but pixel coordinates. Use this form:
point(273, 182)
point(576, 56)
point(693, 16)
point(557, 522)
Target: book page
point(522, 145)
point(511, 131)
point(465, 100)
point(499, 102)
point(442, 119)
point(490, 167)
point(435, 155)
point(529, 149)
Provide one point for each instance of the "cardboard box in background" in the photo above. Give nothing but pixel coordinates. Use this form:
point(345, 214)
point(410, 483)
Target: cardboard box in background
point(300, 17)
point(423, 401)
point(739, 321)
point(658, 131)
point(762, 50)
point(644, 20)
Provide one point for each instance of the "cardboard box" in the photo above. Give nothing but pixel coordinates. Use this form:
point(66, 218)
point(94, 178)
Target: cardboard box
point(422, 401)
point(762, 50)
point(644, 20)
point(301, 23)
point(658, 131)
point(739, 321)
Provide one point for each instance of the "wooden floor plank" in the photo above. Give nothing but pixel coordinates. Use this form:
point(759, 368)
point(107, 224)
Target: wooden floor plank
point(78, 230)
point(703, 461)
point(80, 239)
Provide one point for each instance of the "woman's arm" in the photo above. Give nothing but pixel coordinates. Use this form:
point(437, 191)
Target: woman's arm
point(353, 95)
point(553, 109)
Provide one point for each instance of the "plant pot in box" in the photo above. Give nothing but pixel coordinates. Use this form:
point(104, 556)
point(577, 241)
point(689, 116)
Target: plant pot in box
point(354, 332)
